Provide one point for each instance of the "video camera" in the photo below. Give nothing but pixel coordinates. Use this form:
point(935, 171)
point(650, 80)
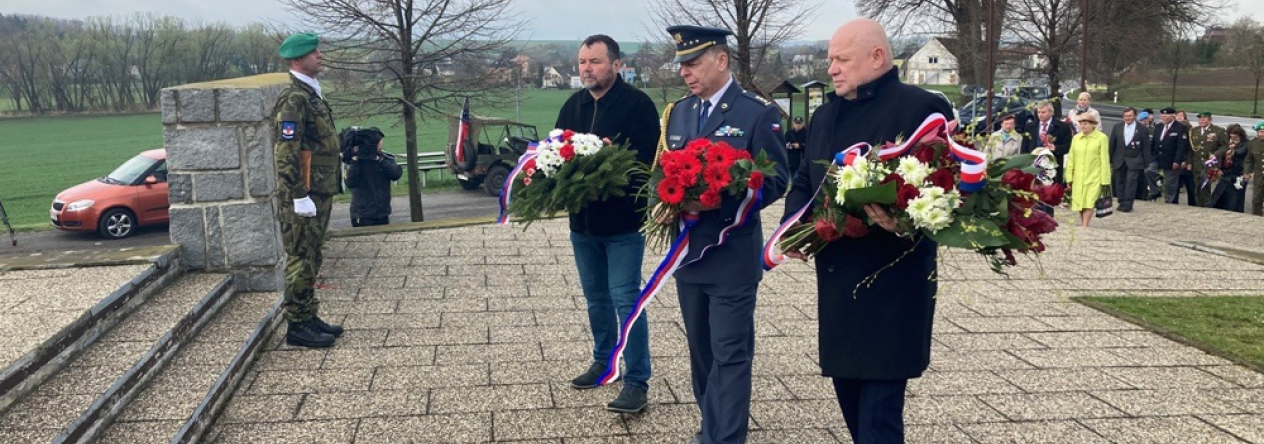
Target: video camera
point(355, 140)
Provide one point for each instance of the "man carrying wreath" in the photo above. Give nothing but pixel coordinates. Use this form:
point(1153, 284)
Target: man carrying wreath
point(876, 288)
point(717, 290)
point(605, 235)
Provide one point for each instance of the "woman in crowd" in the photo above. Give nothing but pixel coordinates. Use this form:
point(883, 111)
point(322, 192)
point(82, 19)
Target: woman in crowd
point(1087, 167)
point(1226, 195)
point(1083, 107)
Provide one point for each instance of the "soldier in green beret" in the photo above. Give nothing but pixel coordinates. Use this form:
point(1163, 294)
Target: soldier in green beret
point(308, 175)
point(1253, 170)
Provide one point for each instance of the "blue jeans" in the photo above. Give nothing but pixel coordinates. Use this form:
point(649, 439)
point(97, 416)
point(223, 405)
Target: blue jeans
point(610, 273)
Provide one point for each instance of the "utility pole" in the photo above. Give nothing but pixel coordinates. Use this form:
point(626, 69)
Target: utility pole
point(991, 67)
point(1084, 48)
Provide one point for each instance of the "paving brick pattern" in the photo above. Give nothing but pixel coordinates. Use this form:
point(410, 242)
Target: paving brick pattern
point(471, 335)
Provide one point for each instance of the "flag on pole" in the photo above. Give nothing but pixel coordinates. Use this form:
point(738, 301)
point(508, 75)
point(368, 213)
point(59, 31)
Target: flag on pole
point(463, 133)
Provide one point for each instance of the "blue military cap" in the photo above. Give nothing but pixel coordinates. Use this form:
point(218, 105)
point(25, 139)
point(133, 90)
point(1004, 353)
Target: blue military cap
point(298, 45)
point(691, 41)
point(1143, 115)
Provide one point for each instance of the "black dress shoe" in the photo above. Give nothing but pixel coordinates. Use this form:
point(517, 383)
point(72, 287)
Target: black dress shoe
point(630, 400)
point(335, 330)
point(306, 334)
point(589, 378)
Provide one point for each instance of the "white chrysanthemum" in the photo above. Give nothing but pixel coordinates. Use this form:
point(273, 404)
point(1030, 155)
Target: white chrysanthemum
point(586, 144)
point(932, 209)
point(954, 199)
point(919, 206)
point(548, 161)
point(913, 171)
point(932, 193)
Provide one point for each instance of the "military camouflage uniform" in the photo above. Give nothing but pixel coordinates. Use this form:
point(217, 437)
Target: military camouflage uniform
point(1202, 144)
point(1254, 165)
point(304, 124)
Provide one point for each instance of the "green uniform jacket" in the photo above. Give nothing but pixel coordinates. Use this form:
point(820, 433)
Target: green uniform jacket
point(304, 122)
point(1254, 163)
point(1202, 144)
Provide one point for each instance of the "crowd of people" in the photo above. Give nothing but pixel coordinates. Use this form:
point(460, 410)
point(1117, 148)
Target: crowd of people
point(871, 340)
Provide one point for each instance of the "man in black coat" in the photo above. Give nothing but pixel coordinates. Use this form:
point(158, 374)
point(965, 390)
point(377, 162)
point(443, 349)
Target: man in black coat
point(1050, 133)
point(1171, 145)
point(796, 142)
point(606, 235)
point(1129, 155)
point(873, 337)
point(369, 175)
point(717, 289)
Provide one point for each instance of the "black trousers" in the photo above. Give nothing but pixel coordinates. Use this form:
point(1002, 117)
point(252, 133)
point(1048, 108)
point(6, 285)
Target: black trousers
point(720, 329)
point(369, 221)
point(873, 409)
point(1191, 188)
point(1125, 185)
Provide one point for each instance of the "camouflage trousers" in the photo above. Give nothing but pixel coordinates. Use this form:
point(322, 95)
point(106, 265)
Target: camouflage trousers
point(1257, 195)
point(303, 238)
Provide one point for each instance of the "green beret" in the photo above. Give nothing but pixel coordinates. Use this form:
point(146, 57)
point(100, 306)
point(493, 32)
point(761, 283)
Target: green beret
point(1204, 114)
point(298, 45)
point(1259, 126)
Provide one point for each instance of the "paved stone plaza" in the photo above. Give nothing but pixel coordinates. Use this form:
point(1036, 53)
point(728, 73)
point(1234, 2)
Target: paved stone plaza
point(472, 334)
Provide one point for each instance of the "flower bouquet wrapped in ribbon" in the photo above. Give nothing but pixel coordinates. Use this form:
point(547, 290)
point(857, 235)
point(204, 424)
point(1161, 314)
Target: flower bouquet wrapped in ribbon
point(933, 186)
point(565, 172)
point(701, 173)
point(1211, 172)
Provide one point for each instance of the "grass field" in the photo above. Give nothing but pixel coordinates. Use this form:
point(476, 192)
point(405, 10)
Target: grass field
point(1229, 326)
point(45, 155)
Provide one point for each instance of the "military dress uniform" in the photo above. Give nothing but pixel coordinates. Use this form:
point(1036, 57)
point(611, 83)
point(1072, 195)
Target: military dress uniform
point(1203, 143)
point(308, 166)
point(1254, 165)
point(717, 291)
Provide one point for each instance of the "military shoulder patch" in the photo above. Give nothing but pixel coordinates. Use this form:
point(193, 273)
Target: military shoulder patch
point(776, 127)
point(287, 130)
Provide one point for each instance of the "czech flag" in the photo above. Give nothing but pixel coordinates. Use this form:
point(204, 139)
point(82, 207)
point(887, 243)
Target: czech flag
point(463, 133)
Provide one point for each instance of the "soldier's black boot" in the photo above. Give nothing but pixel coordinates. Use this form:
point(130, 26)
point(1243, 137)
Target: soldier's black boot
point(333, 329)
point(307, 334)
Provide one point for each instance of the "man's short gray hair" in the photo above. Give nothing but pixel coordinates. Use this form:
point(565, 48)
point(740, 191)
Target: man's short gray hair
point(716, 50)
point(1044, 104)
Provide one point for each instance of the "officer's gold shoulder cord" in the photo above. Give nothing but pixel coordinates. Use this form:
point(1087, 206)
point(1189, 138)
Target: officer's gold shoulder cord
point(662, 137)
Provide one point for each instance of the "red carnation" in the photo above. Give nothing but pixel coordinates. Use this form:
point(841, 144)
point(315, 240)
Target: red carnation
point(854, 227)
point(567, 135)
point(671, 192)
point(529, 165)
point(825, 230)
point(710, 198)
point(1018, 180)
point(697, 146)
point(567, 152)
point(1050, 194)
point(942, 178)
point(714, 156)
point(526, 181)
point(906, 193)
point(756, 180)
point(894, 177)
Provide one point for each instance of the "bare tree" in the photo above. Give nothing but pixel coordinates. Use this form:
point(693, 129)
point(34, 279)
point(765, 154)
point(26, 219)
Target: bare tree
point(208, 53)
point(256, 46)
point(160, 43)
point(1174, 56)
point(1246, 48)
point(758, 25)
point(967, 20)
point(413, 58)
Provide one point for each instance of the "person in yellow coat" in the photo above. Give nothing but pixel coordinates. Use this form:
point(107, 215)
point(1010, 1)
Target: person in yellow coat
point(1087, 167)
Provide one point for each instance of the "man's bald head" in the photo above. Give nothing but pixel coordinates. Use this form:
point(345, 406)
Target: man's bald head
point(859, 53)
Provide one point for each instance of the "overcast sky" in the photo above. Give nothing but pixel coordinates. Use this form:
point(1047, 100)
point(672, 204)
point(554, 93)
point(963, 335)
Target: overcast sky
point(551, 19)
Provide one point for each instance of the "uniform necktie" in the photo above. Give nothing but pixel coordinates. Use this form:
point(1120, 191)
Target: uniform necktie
point(1044, 128)
point(702, 118)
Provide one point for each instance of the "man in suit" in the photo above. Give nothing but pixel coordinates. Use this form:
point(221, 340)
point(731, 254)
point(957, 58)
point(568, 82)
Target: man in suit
point(1205, 140)
point(1048, 132)
point(1171, 145)
point(717, 290)
point(876, 291)
point(1129, 155)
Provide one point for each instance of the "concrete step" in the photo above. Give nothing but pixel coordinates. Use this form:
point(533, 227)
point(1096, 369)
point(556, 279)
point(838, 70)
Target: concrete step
point(60, 312)
point(181, 402)
point(75, 403)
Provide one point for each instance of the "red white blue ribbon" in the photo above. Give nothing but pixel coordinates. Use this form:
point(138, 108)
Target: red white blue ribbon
point(673, 260)
point(973, 174)
point(507, 189)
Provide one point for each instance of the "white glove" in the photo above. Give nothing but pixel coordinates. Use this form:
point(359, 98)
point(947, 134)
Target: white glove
point(305, 207)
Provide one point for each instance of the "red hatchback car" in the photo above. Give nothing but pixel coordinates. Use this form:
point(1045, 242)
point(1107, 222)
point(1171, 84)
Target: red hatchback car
point(134, 194)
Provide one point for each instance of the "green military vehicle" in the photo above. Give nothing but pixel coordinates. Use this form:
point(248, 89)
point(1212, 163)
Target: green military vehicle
point(489, 153)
